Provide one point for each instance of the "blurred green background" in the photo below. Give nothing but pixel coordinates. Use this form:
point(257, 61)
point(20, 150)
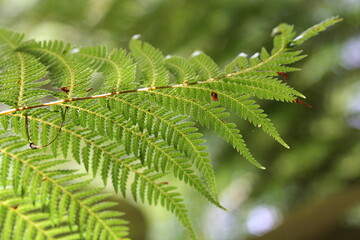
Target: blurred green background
point(311, 191)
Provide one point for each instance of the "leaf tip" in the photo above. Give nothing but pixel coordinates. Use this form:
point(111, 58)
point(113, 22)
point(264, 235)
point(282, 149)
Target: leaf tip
point(224, 208)
point(301, 95)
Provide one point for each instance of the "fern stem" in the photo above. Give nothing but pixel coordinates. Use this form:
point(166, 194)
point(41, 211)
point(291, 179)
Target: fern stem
point(22, 78)
point(6, 112)
point(146, 88)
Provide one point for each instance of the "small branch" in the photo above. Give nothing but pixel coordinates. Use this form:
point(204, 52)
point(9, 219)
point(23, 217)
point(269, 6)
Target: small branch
point(6, 112)
point(229, 75)
point(33, 145)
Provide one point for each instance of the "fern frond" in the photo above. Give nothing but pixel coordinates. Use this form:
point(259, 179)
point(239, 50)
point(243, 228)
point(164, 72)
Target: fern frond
point(21, 219)
point(64, 70)
point(151, 63)
point(117, 67)
point(19, 72)
point(150, 149)
point(181, 69)
point(242, 105)
point(204, 66)
point(55, 190)
point(102, 149)
point(261, 87)
point(9, 41)
point(172, 128)
point(314, 30)
point(145, 186)
point(261, 65)
point(268, 64)
point(209, 115)
point(133, 136)
point(19, 80)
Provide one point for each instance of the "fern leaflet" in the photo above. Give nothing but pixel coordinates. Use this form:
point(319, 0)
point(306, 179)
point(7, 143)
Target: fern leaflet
point(33, 176)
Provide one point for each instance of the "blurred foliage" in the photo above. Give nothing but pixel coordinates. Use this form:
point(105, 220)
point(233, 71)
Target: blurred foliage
point(324, 158)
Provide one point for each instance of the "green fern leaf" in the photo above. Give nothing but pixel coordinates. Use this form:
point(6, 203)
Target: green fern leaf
point(20, 219)
point(263, 65)
point(172, 128)
point(181, 69)
point(151, 63)
point(181, 170)
point(314, 30)
point(243, 106)
point(145, 184)
point(209, 115)
point(166, 156)
point(19, 73)
point(260, 87)
point(52, 188)
point(66, 72)
point(117, 67)
point(204, 66)
point(9, 41)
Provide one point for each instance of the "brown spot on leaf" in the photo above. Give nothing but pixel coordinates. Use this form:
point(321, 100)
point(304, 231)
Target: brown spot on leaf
point(214, 96)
